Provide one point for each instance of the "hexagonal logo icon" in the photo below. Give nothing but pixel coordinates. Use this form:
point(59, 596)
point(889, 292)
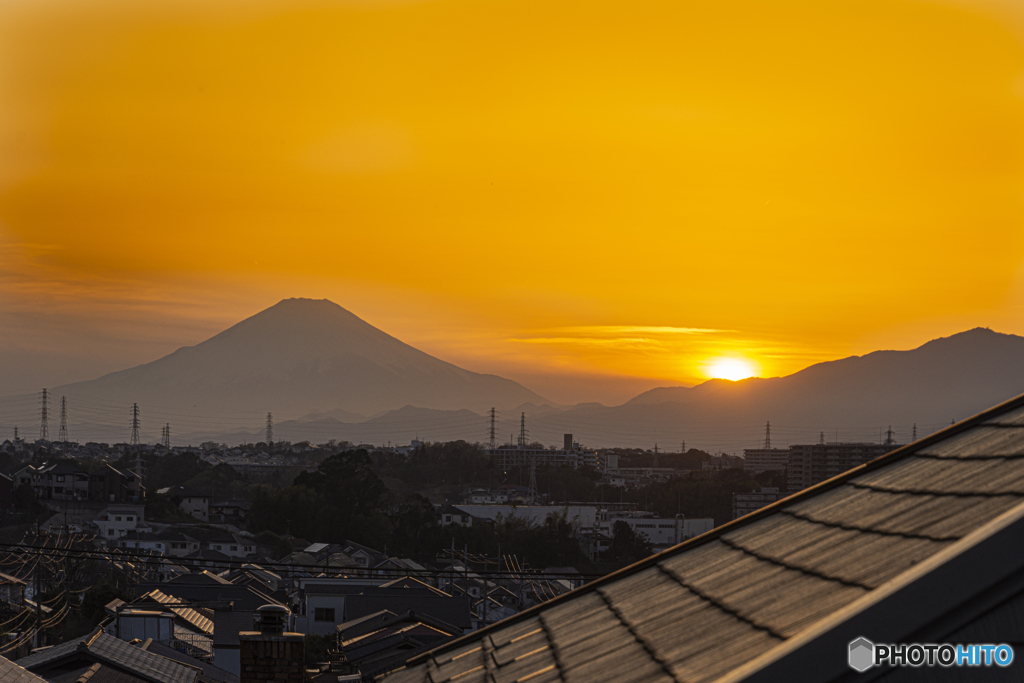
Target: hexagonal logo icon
point(862, 655)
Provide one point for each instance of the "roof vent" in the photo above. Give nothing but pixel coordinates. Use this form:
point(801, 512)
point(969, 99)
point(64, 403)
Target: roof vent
point(272, 618)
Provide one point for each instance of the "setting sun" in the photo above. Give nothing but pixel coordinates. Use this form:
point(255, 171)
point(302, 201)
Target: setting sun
point(730, 368)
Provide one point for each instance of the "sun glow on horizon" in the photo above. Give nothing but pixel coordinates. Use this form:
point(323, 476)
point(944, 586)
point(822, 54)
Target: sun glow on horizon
point(733, 369)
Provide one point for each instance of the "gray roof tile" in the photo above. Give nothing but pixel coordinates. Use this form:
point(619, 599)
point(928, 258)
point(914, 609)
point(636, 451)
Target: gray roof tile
point(15, 673)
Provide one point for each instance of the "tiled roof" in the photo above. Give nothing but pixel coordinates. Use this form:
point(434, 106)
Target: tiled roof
point(701, 610)
point(118, 653)
point(194, 617)
point(15, 673)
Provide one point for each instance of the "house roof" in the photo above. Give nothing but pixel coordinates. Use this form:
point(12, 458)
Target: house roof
point(105, 649)
point(15, 673)
point(778, 594)
point(210, 673)
point(195, 617)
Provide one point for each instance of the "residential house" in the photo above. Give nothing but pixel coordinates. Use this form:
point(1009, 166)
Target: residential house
point(12, 590)
point(108, 484)
point(6, 492)
point(192, 502)
point(101, 657)
point(63, 480)
point(229, 512)
point(169, 543)
point(383, 641)
point(918, 545)
point(117, 520)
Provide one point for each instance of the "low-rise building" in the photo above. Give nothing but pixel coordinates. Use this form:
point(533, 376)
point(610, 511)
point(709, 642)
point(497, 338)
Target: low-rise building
point(117, 520)
point(661, 532)
point(745, 503)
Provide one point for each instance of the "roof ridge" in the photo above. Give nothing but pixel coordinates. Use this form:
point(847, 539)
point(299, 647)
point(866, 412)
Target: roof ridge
point(882, 461)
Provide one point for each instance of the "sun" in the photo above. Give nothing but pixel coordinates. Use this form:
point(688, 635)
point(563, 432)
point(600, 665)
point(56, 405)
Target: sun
point(730, 368)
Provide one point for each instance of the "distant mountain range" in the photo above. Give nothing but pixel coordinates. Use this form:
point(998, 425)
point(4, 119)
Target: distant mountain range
point(327, 374)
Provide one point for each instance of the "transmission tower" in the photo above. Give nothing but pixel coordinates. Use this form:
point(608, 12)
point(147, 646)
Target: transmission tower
point(682, 447)
point(915, 434)
point(655, 455)
point(44, 416)
point(767, 436)
point(270, 430)
point(533, 477)
point(62, 435)
point(522, 430)
point(890, 437)
point(166, 434)
point(821, 439)
point(494, 436)
point(135, 425)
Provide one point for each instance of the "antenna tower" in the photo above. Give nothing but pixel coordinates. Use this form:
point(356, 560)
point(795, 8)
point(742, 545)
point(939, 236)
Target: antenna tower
point(767, 436)
point(166, 436)
point(135, 425)
point(44, 427)
point(522, 430)
point(890, 437)
point(494, 436)
point(270, 430)
point(15, 432)
point(915, 433)
point(62, 435)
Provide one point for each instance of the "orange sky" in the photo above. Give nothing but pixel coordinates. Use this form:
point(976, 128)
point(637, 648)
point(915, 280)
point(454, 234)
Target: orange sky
point(613, 191)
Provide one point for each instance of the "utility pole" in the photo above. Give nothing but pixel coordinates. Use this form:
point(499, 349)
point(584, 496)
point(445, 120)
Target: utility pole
point(767, 436)
point(62, 435)
point(270, 431)
point(44, 427)
point(494, 437)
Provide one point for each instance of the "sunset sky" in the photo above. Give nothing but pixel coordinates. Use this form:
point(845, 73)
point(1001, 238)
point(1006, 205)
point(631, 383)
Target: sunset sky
point(593, 198)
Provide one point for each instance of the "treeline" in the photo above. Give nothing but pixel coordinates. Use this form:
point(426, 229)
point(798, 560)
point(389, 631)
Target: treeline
point(346, 499)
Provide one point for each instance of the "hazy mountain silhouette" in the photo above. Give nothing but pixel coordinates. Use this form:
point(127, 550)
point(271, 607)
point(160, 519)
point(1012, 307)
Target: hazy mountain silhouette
point(945, 379)
point(298, 357)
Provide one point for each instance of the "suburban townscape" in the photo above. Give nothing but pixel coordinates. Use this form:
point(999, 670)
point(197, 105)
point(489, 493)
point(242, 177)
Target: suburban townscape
point(511, 341)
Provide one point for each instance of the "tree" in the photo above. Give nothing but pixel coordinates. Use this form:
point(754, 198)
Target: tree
point(627, 546)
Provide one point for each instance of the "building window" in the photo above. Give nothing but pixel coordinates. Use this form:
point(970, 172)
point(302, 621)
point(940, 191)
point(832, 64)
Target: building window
point(110, 532)
point(130, 519)
point(234, 547)
point(323, 614)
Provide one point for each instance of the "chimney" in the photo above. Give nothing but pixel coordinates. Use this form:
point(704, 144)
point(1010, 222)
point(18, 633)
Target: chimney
point(272, 654)
point(568, 443)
